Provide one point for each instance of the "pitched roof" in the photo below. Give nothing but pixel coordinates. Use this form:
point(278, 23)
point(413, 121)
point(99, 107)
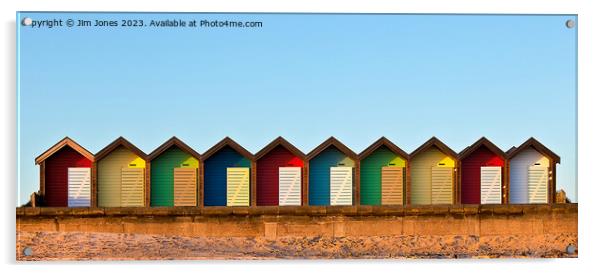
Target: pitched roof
point(383, 141)
point(282, 142)
point(433, 141)
point(173, 141)
point(120, 141)
point(332, 141)
point(532, 142)
point(483, 141)
point(227, 141)
point(62, 143)
point(464, 150)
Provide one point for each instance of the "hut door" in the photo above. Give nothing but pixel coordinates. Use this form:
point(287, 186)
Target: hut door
point(237, 184)
point(341, 185)
point(184, 186)
point(491, 185)
point(392, 185)
point(132, 187)
point(289, 188)
point(537, 185)
point(78, 180)
point(442, 185)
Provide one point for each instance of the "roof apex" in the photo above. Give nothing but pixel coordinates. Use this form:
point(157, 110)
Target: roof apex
point(332, 141)
point(120, 141)
point(532, 142)
point(279, 141)
point(173, 141)
point(483, 141)
point(383, 141)
point(66, 141)
point(227, 141)
point(433, 141)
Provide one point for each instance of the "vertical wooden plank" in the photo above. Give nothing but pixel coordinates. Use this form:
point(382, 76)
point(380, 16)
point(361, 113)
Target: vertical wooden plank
point(456, 189)
point(147, 188)
point(356, 185)
point(43, 179)
point(506, 181)
point(93, 190)
point(408, 184)
point(305, 178)
point(201, 189)
point(552, 193)
point(253, 183)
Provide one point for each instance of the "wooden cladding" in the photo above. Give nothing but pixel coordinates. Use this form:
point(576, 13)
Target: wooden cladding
point(392, 185)
point(341, 179)
point(537, 187)
point(238, 187)
point(121, 178)
point(79, 180)
point(121, 175)
point(491, 185)
point(132, 187)
point(184, 187)
point(289, 186)
point(442, 185)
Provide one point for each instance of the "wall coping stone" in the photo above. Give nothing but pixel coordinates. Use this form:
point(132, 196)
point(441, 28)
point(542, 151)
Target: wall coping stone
point(357, 211)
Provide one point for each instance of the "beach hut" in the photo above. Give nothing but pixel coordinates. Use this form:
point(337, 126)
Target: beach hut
point(227, 174)
point(65, 175)
point(433, 177)
point(121, 175)
point(383, 168)
point(482, 173)
point(532, 173)
point(174, 169)
point(279, 174)
point(332, 168)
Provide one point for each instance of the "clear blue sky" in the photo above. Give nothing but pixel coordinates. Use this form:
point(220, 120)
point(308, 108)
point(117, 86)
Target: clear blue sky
point(304, 77)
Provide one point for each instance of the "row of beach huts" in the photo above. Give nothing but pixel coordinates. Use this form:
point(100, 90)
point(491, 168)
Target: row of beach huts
point(175, 175)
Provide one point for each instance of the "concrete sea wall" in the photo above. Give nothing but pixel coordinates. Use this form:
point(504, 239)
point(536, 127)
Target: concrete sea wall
point(281, 232)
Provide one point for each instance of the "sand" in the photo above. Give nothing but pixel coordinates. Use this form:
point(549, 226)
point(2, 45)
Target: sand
point(122, 246)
